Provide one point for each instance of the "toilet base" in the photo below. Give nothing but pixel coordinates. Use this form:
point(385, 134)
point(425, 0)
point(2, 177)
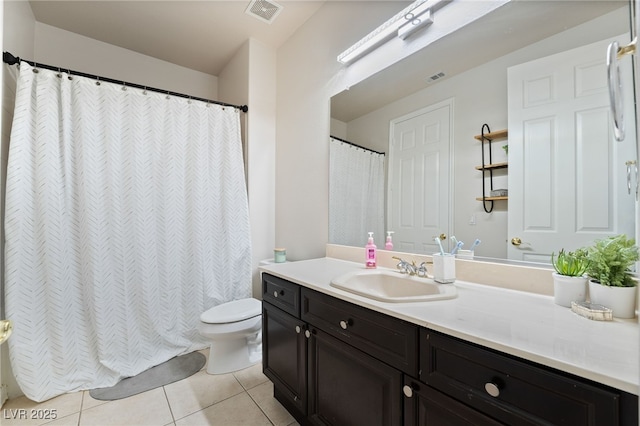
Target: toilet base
point(227, 356)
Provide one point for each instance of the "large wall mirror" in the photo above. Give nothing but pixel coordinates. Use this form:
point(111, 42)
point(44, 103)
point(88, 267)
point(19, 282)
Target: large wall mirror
point(523, 53)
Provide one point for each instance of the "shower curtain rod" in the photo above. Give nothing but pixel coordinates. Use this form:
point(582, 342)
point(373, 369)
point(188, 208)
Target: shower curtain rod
point(8, 58)
point(356, 145)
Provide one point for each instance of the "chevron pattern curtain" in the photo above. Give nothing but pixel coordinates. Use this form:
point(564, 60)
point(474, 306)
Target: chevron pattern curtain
point(356, 195)
point(126, 218)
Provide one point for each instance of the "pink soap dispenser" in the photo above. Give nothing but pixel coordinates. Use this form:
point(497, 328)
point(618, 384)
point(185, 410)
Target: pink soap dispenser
point(389, 244)
point(370, 250)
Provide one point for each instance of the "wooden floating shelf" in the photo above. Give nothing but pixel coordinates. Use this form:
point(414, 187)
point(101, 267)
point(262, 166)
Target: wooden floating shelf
point(492, 198)
point(493, 166)
point(498, 134)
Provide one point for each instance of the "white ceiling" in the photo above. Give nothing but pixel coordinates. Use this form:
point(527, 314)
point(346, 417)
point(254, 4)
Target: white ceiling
point(201, 35)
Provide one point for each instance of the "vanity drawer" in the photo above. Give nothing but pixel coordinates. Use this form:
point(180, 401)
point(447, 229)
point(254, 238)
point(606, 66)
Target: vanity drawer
point(388, 339)
point(512, 390)
point(281, 293)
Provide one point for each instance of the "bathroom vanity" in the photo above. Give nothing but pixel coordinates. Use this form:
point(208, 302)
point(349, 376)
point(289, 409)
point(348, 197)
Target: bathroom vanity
point(490, 356)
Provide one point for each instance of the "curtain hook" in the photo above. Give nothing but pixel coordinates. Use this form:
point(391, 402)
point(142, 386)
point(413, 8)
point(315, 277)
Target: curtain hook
point(167, 97)
point(124, 86)
point(98, 81)
point(189, 101)
point(144, 92)
point(59, 75)
point(69, 77)
point(35, 67)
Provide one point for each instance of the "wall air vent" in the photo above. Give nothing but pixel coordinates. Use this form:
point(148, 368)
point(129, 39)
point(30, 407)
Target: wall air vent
point(264, 10)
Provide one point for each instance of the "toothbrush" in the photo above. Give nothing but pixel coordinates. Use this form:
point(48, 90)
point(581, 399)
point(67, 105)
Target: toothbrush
point(454, 240)
point(437, 240)
point(475, 244)
point(457, 247)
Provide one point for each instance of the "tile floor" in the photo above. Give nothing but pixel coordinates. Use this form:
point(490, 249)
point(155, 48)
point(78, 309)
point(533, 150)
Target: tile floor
point(243, 398)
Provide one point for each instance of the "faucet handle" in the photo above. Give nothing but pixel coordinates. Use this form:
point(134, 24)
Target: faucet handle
point(421, 271)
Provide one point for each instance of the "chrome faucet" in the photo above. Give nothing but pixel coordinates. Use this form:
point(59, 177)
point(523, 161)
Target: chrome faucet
point(411, 268)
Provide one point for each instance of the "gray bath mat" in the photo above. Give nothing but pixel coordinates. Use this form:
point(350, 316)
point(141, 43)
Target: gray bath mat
point(175, 369)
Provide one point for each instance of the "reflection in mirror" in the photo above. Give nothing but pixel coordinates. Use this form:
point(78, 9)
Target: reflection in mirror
point(472, 70)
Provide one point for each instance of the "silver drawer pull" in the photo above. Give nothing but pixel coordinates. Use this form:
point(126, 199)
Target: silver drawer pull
point(344, 324)
point(408, 392)
point(298, 329)
point(307, 333)
point(492, 389)
point(275, 294)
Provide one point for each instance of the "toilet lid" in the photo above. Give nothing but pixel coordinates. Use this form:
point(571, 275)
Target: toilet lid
point(236, 310)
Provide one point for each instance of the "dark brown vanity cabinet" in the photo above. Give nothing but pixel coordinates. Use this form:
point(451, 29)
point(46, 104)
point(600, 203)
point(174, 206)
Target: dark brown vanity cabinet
point(336, 363)
point(284, 343)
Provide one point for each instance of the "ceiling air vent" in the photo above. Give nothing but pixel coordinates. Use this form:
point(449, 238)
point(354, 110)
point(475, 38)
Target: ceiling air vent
point(264, 10)
point(435, 77)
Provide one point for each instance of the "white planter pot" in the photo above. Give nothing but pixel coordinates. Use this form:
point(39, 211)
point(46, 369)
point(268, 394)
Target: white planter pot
point(567, 289)
point(621, 300)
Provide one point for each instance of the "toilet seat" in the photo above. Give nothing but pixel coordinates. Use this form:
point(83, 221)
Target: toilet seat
point(234, 311)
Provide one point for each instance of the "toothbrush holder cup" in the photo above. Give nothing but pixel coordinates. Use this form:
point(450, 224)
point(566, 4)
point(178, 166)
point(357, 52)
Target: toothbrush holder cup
point(444, 268)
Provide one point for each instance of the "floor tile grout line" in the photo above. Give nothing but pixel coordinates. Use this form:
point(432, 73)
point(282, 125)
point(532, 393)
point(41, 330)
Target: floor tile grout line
point(166, 397)
point(260, 408)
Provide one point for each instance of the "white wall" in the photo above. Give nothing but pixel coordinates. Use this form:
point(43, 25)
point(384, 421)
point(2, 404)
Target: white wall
point(57, 47)
point(252, 73)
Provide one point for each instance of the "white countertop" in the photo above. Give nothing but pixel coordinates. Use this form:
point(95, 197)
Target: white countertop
point(523, 324)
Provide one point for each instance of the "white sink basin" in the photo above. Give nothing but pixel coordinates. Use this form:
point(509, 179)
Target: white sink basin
point(391, 286)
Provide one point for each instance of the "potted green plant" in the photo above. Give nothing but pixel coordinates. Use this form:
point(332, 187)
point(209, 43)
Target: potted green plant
point(569, 279)
point(611, 281)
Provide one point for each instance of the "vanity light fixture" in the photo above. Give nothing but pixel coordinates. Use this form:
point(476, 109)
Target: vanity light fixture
point(415, 16)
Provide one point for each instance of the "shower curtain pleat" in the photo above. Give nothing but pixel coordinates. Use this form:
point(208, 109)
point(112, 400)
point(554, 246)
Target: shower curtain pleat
point(356, 195)
point(126, 218)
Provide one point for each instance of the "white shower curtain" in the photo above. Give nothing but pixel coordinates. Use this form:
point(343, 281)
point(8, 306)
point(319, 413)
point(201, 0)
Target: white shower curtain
point(126, 217)
point(356, 195)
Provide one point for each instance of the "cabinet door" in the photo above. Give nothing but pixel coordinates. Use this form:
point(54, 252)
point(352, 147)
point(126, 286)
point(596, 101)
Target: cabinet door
point(348, 387)
point(425, 406)
point(284, 357)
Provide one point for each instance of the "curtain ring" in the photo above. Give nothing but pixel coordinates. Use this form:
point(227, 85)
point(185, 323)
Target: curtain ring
point(59, 75)
point(98, 81)
point(35, 68)
point(189, 100)
point(124, 86)
point(69, 77)
point(144, 92)
point(167, 97)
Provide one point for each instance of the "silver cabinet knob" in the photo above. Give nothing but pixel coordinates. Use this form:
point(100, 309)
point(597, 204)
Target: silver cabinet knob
point(298, 329)
point(275, 294)
point(408, 391)
point(345, 324)
point(307, 333)
point(492, 389)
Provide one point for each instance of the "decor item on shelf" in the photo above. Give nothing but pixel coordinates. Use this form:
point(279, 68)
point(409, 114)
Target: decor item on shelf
point(611, 282)
point(569, 279)
point(506, 149)
point(499, 192)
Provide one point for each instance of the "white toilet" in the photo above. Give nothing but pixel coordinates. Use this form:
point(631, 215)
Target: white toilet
point(235, 331)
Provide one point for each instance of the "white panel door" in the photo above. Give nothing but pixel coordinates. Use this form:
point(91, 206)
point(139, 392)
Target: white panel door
point(567, 175)
point(419, 176)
